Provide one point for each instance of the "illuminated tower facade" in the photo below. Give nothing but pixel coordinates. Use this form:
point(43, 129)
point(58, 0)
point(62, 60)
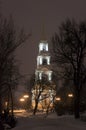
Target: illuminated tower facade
point(43, 62)
point(44, 90)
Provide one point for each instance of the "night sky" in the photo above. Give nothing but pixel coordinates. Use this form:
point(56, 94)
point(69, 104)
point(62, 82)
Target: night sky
point(30, 15)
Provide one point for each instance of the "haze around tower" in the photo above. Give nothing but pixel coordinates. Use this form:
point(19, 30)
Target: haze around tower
point(29, 14)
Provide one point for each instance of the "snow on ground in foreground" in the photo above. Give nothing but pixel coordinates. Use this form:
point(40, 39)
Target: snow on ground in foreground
point(52, 122)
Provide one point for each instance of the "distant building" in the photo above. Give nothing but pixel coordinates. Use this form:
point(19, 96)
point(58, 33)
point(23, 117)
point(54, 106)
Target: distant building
point(44, 89)
point(43, 62)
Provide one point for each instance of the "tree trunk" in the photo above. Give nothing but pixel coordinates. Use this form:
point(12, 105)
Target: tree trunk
point(8, 102)
point(36, 103)
point(35, 109)
point(12, 104)
point(47, 111)
point(11, 96)
point(0, 105)
point(77, 104)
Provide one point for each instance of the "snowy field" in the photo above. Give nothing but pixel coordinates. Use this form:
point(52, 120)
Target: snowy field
point(52, 122)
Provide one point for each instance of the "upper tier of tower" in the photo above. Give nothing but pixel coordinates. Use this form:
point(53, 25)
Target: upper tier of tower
point(43, 46)
point(43, 57)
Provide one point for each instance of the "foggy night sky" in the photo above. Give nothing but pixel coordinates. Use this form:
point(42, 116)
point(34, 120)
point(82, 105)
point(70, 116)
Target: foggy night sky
point(30, 15)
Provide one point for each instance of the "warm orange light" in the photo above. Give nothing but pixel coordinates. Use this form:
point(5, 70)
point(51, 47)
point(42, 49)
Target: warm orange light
point(58, 98)
point(22, 99)
point(26, 96)
point(6, 103)
point(70, 95)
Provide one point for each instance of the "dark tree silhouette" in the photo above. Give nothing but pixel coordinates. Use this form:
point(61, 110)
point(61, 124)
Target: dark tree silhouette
point(40, 86)
point(69, 53)
point(10, 39)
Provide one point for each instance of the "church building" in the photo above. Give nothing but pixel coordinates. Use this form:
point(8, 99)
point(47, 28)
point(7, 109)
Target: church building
point(43, 92)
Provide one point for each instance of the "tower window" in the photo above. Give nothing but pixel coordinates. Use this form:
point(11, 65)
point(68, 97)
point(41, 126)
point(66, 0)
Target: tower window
point(44, 61)
point(44, 76)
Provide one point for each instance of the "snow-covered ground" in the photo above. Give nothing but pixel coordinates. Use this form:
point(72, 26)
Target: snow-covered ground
point(52, 122)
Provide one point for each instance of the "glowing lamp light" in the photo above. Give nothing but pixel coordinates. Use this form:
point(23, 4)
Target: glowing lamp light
point(58, 99)
point(6, 103)
point(22, 99)
point(70, 95)
point(26, 96)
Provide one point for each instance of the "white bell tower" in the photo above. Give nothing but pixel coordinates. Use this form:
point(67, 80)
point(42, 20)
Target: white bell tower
point(43, 62)
point(43, 70)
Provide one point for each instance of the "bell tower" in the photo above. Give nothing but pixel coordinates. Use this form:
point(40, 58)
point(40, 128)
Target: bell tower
point(43, 59)
point(44, 88)
point(43, 62)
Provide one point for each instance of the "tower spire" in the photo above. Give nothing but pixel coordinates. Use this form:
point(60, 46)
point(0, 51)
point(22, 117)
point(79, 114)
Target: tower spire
point(43, 32)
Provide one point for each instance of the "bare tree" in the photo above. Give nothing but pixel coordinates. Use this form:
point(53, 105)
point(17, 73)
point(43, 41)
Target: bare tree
point(10, 39)
point(69, 53)
point(42, 88)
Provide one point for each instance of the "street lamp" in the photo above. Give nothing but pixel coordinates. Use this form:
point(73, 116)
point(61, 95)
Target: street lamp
point(22, 99)
point(70, 95)
point(6, 104)
point(26, 96)
point(58, 99)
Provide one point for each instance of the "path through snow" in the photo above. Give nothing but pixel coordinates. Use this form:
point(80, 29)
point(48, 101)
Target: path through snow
point(52, 122)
